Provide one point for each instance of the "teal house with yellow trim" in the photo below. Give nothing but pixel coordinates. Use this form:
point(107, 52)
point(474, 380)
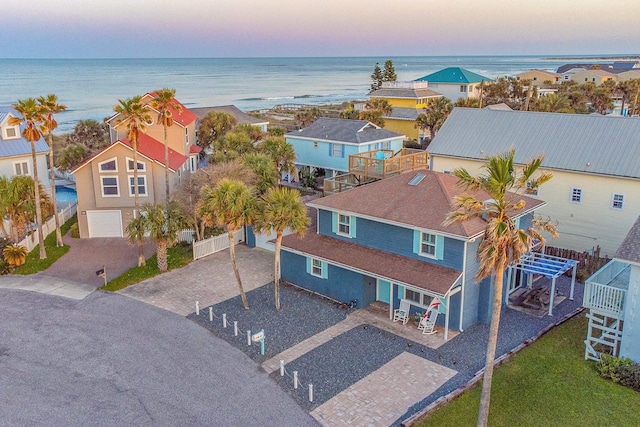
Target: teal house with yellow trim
point(385, 242)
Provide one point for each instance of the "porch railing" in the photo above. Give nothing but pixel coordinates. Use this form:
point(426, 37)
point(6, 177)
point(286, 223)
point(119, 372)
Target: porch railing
point(380, 164)
point(606, 290)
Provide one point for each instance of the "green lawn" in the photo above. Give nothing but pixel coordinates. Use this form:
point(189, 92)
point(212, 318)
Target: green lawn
point(33, 262)
point(177, 256)
point(548, 384)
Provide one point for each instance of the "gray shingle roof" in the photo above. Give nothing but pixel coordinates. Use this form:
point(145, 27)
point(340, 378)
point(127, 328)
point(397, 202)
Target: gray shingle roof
point(404, 113)
point(594, 144)
point(405, 93)
point(241, 116)
point(344, 130)
point(629, 250)
point(18, 146)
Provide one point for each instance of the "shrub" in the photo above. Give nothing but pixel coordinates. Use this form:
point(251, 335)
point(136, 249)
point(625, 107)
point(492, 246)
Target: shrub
point(15, 255)
point(612, 367)
point(630, 377)
point(5, 268)
point(75, 231)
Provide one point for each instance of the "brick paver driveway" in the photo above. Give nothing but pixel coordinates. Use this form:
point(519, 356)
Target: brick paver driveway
point(209, 280)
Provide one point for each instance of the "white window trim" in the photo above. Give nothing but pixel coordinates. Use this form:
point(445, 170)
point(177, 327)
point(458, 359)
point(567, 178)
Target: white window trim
point(333, 150)
point(613, 199)
point(113, 159)
point(193, 164)
point(22, 163)
point(347, 224)
point(102, 185)
point(435, 245)
point(573, 189)
point(313, 266)
point(422, 295)
point(5, 130)
point(129, 185)
point(144, 165)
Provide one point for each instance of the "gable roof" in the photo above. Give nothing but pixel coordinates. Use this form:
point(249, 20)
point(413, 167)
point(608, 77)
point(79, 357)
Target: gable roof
point(453, 75)
point(147, 147)
point(402, 113)
point(344, 130)
point(538, 70)
point(183, 118)
point(629, 250)
point(424, 206)
point(404, 93)
point(17, 146)
point(240, 116)
point(594, 144)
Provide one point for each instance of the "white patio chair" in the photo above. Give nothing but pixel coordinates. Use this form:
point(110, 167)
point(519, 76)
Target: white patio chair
point(402, 313)
point(428, 321)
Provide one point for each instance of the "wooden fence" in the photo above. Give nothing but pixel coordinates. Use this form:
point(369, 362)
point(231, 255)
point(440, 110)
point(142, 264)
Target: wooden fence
point(590, 261)
point(32, 240)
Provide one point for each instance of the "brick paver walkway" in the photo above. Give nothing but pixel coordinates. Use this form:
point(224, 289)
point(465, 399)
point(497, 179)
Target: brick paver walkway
point(209, 280)
point(382, 397)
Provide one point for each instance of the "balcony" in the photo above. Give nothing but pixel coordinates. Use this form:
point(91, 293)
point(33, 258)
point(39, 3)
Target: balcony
point(605, 292)
point(380, 164)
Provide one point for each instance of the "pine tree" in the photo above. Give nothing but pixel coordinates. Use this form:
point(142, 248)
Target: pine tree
point(376, 78)
point(389, 74)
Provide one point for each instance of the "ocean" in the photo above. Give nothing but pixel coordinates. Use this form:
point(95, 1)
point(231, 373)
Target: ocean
point(91, 87)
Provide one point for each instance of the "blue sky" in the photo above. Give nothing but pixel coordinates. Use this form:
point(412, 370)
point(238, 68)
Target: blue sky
point(248, 28)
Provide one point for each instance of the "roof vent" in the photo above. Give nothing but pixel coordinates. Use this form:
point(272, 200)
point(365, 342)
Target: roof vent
point(417, 179)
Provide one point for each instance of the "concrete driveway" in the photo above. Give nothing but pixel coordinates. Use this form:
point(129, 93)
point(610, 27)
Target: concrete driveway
point(109, 360)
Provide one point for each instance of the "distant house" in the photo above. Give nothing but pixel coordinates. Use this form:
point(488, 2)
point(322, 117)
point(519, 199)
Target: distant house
point(595, 192)
point(455, 83)
point(241, 117)
point(408, 100)
point(593, 76)
point(629, 75)
point(538, 77)
point(105, 182)
point(15, 151)
point(612, 296)
point(328, 143)
point(385, 242)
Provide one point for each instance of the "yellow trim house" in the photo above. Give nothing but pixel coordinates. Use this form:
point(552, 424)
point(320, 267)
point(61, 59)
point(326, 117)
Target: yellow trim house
point(594, 76)
point(538, 77)
point(408, 100)
point(595, 191)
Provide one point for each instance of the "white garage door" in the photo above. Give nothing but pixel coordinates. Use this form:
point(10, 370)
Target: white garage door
point(104, 223)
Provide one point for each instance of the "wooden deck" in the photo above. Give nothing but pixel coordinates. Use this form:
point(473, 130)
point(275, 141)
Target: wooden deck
point(380, 164)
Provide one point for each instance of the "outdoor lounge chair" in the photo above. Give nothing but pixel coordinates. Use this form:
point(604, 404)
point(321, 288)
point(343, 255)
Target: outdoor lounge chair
point(428, 321)
point(402, 313)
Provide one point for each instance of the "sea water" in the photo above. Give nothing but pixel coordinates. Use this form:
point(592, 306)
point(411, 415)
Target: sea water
point(91, 87)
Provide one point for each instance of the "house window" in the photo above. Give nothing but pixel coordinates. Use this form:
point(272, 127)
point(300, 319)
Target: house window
point(108, 166)
point(21, 168)
point(142, 186)
point(315, 144)
point(186, 135)
point(417, 297)
point(428, 245)
point(141, 166)
point(110, 186)
point(11, 132)
point(344, 224)
point(617, 201)
point(463, 88)
point(576, 195)
point(194, 164)
point(336, 150)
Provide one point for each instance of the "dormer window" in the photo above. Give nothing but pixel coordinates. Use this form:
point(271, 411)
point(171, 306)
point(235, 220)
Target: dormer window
point(110, 165)
point(11, 132)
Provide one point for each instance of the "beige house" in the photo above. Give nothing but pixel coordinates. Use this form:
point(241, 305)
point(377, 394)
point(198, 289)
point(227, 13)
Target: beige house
point(538, 77)
point(629, 75)
point(595, 191)
point(594, 76)
point(105, 181)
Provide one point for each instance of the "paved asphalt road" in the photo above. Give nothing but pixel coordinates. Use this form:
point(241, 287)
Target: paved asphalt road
point(112, 361)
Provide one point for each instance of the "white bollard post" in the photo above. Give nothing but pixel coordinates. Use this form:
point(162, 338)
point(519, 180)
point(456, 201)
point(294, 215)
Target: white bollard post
point(281, 368)
point(224, 320)
point(310, 392)
point(210, 314)
point(249, 338)
point(295, 380)
point(198, 308)
point(235, 328)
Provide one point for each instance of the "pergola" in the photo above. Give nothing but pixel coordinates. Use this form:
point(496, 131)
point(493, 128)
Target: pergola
point(549, 266)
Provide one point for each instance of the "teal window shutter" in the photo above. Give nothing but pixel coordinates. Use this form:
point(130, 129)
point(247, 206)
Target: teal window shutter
point(334, 222)
point(325, 270)
point(439, 247)
point(417, 237)
point(330, 149)
point(308, 265)
point(342, 151)
point(352, 226)
point(517, 223)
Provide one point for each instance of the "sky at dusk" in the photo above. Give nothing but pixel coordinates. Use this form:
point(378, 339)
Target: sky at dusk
point(250, 28)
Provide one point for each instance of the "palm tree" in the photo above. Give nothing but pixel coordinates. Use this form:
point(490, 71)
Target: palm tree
point(379, 104)
point(282, 153)
point(162, 224)
point(31, 116)
point(503, 242)
point(164, 103)
point(553, 103)
point(17, 203)
point(279, 209)
point(467, 103)
point(48, 106)
point(135, 114)
point(213, 126)
point(231, 204)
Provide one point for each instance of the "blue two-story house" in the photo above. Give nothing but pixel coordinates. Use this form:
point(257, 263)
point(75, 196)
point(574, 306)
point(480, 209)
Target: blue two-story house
point(328, 143)
point(386, 241)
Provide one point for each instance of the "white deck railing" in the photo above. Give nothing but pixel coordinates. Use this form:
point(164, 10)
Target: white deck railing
point(214, 244)
point(604, 299)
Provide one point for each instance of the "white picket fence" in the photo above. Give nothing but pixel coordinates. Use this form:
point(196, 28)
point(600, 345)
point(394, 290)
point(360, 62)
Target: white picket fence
point(32, 240)
point(214, 244)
